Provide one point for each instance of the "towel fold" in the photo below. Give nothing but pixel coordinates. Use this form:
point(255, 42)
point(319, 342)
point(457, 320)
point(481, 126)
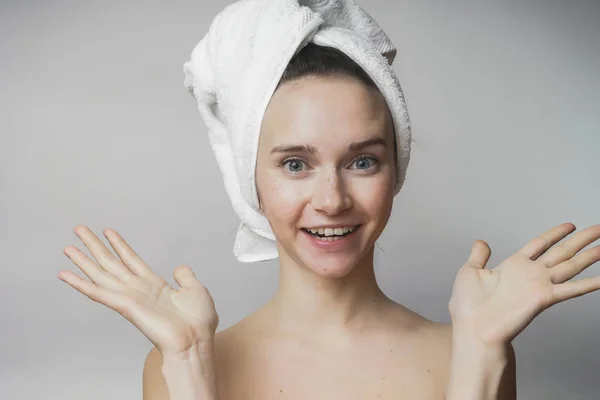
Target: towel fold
point(234, 70)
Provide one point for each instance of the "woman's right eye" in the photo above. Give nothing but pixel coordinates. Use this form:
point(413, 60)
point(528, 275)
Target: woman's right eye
point(295, 164)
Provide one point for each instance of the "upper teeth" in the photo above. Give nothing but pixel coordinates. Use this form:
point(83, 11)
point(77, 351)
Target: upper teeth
point(332, 231)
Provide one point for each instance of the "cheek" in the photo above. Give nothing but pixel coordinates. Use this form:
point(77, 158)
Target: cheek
point(283, 200)
point(373, 194)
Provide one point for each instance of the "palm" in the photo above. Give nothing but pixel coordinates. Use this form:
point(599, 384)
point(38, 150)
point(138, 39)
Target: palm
point(506, 298)
point(500, 302)
point(173, 320)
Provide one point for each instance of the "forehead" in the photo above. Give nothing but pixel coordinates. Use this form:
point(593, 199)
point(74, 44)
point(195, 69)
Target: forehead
point(313, 107)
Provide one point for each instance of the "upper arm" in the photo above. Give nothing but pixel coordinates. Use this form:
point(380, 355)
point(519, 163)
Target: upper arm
point(154, 385)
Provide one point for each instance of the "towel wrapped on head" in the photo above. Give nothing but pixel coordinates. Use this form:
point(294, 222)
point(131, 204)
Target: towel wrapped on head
point(234, 70)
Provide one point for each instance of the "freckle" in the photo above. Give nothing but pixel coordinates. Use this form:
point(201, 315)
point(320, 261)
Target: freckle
point(391, 350)
point(280, 390)
point(383, 377)
point(428, 371)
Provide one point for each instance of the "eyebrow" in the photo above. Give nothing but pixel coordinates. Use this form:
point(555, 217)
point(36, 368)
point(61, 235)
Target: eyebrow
point(313, 150)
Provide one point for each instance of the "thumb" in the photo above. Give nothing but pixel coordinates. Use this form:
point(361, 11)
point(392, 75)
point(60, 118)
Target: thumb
point(184, 276)
point(480, 255)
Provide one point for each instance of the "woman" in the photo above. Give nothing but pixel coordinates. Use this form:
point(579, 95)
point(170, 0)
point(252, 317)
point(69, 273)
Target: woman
point(330, 332)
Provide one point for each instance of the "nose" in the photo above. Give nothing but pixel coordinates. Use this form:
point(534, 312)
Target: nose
point(330, 194)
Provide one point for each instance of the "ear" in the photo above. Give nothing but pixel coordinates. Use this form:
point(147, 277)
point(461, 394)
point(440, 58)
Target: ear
point(260, 207)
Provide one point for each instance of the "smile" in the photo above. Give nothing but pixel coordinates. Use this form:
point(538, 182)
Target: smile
point(330, 234)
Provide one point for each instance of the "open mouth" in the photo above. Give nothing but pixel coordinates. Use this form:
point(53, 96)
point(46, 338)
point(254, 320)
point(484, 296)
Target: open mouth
point(331, 235)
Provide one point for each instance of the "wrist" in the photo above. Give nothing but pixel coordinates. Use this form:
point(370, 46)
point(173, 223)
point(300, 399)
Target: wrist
point(191, 374)
point(469, 334)
point(200, 349)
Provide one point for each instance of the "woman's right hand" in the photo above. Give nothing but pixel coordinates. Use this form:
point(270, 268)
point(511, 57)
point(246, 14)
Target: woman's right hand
point(175, 321)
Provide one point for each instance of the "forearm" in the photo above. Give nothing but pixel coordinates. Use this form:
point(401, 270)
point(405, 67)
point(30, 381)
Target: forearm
point(191, 376)
point(477, 371)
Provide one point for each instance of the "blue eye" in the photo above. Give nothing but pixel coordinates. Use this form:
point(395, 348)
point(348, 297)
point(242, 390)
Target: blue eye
point(361, 159)
point(292, 161)
point(296, 164)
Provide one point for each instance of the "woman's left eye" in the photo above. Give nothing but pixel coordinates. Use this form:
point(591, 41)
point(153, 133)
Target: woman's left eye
point(362, 159)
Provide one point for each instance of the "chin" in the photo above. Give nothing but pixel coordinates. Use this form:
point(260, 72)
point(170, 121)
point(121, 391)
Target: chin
point(331, 266)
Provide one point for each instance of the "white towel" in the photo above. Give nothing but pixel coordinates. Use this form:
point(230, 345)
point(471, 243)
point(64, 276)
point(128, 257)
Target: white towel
point(233, 72)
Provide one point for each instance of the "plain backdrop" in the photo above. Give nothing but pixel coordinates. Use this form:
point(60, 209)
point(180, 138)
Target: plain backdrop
point(96, 128)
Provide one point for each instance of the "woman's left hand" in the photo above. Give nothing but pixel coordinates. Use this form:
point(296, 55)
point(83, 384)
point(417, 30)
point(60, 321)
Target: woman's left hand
point(497, 304)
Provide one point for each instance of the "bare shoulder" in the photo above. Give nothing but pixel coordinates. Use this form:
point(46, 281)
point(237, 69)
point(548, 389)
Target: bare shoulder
point(153, 382)
point(439, 337)
point(434, 334)
point(441, 334)
point(429, 343)
point(435, 348)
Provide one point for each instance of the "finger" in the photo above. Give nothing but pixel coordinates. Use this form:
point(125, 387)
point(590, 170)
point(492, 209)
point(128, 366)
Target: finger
point(184, 276)
point(128, 256)
point(570, 268)
point(540, 244)
point(569, 248)
point(90, 268)
point(569, 290)
point(102, 254)
point(94, 292)
point(480, 255)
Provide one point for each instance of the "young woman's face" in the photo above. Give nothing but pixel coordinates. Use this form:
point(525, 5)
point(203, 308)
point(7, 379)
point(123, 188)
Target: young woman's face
point(312, 170)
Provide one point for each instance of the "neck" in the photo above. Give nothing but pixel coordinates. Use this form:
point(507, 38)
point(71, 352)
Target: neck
point(306, 302)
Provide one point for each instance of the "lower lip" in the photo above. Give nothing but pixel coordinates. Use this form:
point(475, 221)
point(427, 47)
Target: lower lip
point(332, 245)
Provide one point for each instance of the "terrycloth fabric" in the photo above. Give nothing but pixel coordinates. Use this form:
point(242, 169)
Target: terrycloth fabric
point(233, 72)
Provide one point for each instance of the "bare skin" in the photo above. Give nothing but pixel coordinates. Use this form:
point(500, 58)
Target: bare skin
point(405, 356)
point(257, 358)
point(329, 332)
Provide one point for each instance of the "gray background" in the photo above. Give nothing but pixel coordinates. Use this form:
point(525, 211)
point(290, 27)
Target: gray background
point(96, 128)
